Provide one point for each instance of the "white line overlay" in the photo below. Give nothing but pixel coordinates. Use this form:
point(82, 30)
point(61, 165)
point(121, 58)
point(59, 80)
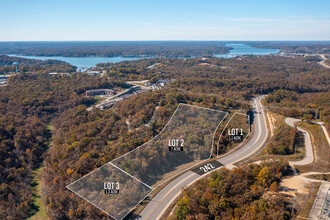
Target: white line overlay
point(91, 189)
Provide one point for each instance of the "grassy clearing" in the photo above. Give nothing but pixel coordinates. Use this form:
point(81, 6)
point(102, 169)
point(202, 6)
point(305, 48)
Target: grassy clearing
point(38, 207)
point(99, 99)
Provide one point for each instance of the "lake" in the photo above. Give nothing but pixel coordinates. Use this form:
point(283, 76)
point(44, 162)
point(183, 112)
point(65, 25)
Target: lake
point(244, 49)
point(87, 62)
point(81, 62)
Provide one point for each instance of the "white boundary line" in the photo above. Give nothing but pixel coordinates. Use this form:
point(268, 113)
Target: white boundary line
point(201, 176)
point(204, 159)
point(131, 176)
point(138, 203)
point(167, 125)
point(215, 132)
point(152, 188)
point(195, 106)
point(92, 203)
point(87, 174)
point(223, 131)
point(151, 138)
point(222, 156)
point(266, 128)
point(129, 151)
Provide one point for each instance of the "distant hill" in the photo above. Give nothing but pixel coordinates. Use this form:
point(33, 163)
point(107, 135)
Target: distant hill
point(10, 60)
point(115, 48)
point(306, 47)
point(32, 65)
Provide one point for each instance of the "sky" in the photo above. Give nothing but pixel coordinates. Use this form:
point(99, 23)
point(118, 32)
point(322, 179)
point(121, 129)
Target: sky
point(138, 20)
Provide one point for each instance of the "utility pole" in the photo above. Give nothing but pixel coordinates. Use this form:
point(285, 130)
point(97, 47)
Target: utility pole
point(249, 118)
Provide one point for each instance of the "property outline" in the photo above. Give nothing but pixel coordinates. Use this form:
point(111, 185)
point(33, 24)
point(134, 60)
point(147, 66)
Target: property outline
point(152, 188)
point(247, 135)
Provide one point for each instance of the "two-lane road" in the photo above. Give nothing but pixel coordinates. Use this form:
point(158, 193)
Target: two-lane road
point(158, 205)
point(258, 139)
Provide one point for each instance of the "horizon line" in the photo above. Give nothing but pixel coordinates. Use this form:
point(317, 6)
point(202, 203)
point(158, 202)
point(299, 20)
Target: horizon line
point(165, 40)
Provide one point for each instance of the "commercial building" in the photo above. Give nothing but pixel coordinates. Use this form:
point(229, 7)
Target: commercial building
point(95, 92)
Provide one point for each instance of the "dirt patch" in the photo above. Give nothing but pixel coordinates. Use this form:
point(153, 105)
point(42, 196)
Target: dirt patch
point(272, 118)
point(308, 201)
point(303, 191)
point(293, 185)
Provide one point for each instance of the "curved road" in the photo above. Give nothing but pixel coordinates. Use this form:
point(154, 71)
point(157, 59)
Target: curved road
point(323, 61)
point(309, 158)
point(324, 131)
point(158, 205)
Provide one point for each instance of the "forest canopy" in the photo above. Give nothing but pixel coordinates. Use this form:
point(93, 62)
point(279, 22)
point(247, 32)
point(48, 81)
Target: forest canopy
point(85, 140)
point(115, 48)
point(27, 105)
point(246, 192)
point(33, 65)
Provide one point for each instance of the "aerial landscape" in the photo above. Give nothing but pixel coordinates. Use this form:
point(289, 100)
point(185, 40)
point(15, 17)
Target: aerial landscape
point(166, 110)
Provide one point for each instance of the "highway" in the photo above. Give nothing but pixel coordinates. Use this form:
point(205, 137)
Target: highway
point(158, 205)
point(258, 139)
